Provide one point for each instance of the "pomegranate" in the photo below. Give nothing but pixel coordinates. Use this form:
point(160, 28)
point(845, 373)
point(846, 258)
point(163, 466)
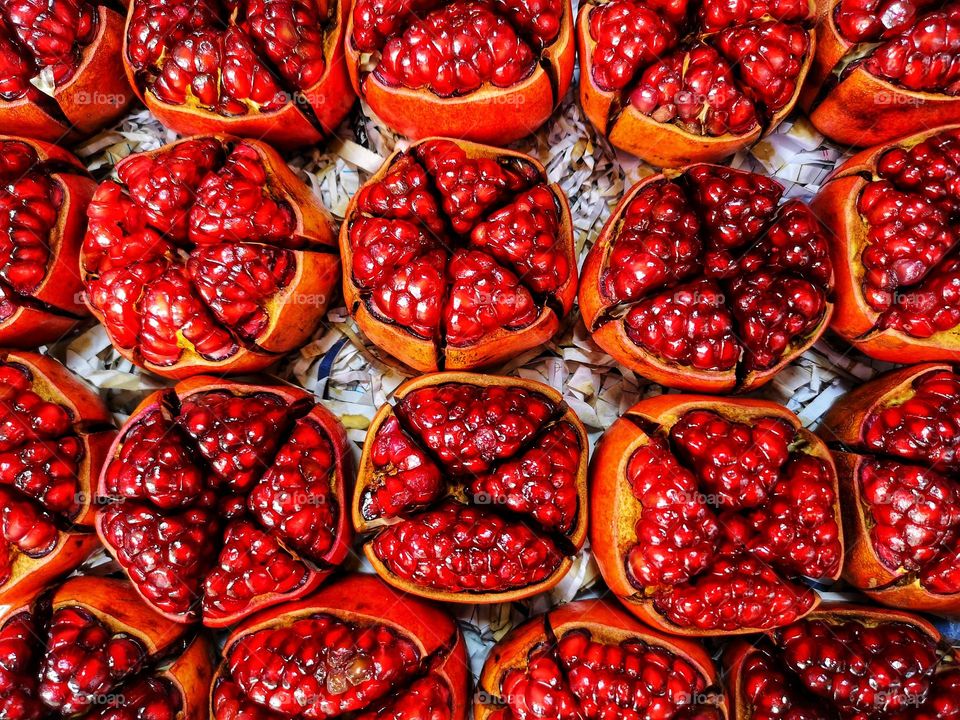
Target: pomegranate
point(472, 488)
point(883, 68)
point(705, 512)
point(484, 70)
point(44, 192)
point(220, 498)
point(703, 282)
point(678, 82)
point(458, 256)
point(893, 211)
point(356, 649)
point(60, 68)
point(54, 436)
point(844, 661)
point(208, 255)
point(91, 649)
point(589, 659)
point(896, 442)
point(267, 69)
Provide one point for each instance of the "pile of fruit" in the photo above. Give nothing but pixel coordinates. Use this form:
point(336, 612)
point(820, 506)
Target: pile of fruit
point(219, 542)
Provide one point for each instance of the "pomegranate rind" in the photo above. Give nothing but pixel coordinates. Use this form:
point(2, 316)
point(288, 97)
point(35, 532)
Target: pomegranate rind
point(843, 426)
point(364, 600)
point(863, 109)
point(366, 474)
point(97, 94)
point(430, 355)
point(488, 115)
point(614, 510)
point(854, 320)
point(607, 623)
point(341, 484)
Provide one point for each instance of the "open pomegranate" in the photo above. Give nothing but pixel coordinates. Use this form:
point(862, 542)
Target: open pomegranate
point(702, 282)
point(54, 435)
point(883, 68)
point(208, 254)
point(473, 488)
point(267, 69)
point(894, 212)
point(91, 649)
point(458, 256)
point(221, 498)
point(677, 81)
point(589, 659)
point(357, 649)
point(44, 192)
point(846, 662)
point(60, 68)
point(896, 441)
point(705, 512)
point(484, 70)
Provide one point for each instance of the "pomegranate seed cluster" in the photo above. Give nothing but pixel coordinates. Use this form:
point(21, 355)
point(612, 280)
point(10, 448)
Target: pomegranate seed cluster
point(205, 253)
point(909, 211)
point(460, 253)
point(473, 488)
point(225, 499)
point(914, 44)
point(86, 659)
point(729, 505)
point(708, 274)
point(845, 665)
point(455, 48)
point(711, 68)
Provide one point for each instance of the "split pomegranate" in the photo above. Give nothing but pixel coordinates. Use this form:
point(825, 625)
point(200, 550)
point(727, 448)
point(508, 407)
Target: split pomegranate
point(896, 444)
point(844, 661)
point(894, 211)
point(484, 70)
point(91, 649)
point(703, 282)
point(706, 512)
point(883, 68)
point(54, 435)
point(458, 256)
point(357, 649)
point(268, 69)
point(44, 192)
point(221, 498)
point(208, 254)
point(684, 81)
point(60, 68)
point(589, 659)
point(472, 488)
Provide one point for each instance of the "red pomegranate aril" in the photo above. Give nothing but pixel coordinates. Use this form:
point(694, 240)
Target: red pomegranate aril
point(773, 694)
point(926, 57)
point(628, 35)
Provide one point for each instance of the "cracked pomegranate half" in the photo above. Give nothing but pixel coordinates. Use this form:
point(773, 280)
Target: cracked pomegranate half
point(44, 193)
point(357, 649)
point(91, 649)
point(60, 68)
point(703, 281)
point(267, 69)
point(220, 498)
point(883, 68)
point(208, 254)
point(54, 436)
point(458, 256)
point(589, 659)
point(472, 488)
point(894, 212)
point(706, 514)
point(677, 82)
point(896, 441)
point(843, 661)
point(484, 70)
